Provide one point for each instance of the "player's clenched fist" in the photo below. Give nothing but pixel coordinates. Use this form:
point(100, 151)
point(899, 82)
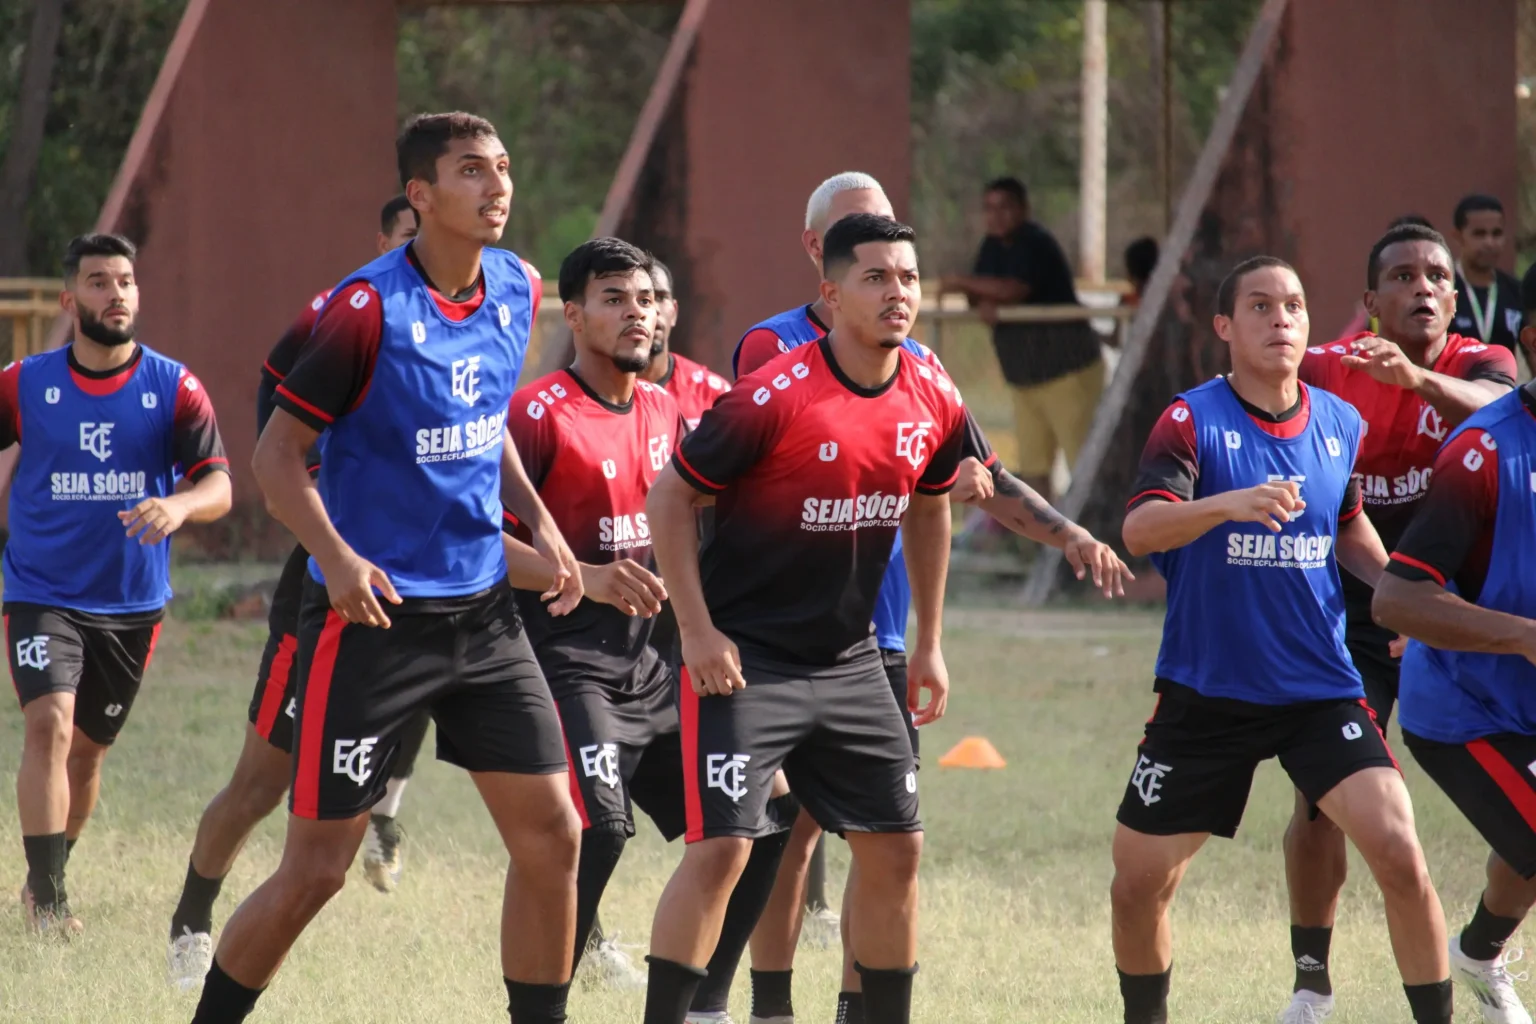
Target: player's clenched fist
point(627, 585)
point(1268, 504)
point(974, 483)
point(714, 663)
point(350, 586)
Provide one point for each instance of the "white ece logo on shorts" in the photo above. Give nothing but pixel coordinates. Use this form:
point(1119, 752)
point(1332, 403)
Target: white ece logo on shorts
point(354, 759)
point(33, 653)
point(728, 774)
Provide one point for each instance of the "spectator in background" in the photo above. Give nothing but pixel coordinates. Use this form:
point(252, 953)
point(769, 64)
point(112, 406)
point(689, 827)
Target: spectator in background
point(1140, 261)
point(1487, 299)
point(1055, 370)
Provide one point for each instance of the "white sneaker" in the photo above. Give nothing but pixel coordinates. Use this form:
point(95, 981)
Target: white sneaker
point(1307, 1007)
point(821, 929)
point(188, 958)
point(1492, 983)
point(607, 965)
point(381, 853)
point(709, 1017)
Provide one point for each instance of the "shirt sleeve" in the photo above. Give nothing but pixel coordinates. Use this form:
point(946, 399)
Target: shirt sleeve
point(531, 425)
point(332, 373)
point(1354, 495)
point(1495, 363)
point(536, 286)
point(759, 346)
point(10, 405)
point(1170, 463)
point(198, 447)
point(734, 435)
point(942, 469)
point(1457, 510)
point(974, 445)
point(279, 362)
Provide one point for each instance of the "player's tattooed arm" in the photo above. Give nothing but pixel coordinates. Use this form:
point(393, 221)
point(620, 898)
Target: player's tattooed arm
point(1021, 509)
point(1360, 551)
point(282, 471)
point(522, 499)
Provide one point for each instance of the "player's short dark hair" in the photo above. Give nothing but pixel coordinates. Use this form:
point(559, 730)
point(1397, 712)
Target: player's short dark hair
point(1226, 294)
point(1009, 186)
point(389, 216)
point(1475, 203)
point(601, 257)
point(666, 271)
point(425, 137)
point(1401, 233)
point(842, 238)
point(96, 244)
point(1141, 260)
point(1410, 218)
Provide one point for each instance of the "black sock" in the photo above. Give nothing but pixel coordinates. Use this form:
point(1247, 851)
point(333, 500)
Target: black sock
point(771, 994)
point(887, 993)
point(224, 1000)
point(850, 1008)
point(1310, 948)
point(195, 911)
point(536, 1004)
point(1484, 936)
point(669, 990)
point(816, 877)
point(1146, 997)
point(45, 868)
point(601, 849)
point(1432, 1003)
point(746, 905)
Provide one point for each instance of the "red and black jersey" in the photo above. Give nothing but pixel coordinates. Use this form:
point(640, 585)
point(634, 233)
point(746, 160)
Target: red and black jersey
point(328, 375)
point(1451, 537)
point(694, 385)
point(1402, 434)
point(1170, 462)
point(196, 445)
point(812, 474)
point(593, 464)
point(279, 362)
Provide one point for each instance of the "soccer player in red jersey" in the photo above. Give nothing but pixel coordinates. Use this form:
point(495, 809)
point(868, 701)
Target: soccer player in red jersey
point(263, 769)
point(694, 385)
point(1411, 384)
point(617, 696)
point(818, 462)
point(410, 375)
point(108, 428)
point(1468, 699)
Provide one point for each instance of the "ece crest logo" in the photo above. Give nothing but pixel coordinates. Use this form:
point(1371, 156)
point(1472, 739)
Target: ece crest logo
point(96, 438)
point(912, 442)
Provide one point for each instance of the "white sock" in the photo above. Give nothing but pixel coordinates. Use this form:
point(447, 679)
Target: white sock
point(389, 805)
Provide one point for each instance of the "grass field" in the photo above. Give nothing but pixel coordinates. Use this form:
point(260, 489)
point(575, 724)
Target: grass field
point(1015, 911)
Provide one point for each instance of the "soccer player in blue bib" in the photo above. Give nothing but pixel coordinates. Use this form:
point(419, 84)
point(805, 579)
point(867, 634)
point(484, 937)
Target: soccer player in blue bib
point(1247, 504)
point(1460, 583)
point(408, 376)
point(109, 428)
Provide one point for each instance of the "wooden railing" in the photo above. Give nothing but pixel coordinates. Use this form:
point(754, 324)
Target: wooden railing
point(29, 306)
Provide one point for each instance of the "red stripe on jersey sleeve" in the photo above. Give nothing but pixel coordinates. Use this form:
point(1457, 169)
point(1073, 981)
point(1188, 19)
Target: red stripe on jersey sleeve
point(933, 490)
point(314, 411)
point(693, 476)
point(1398, 556)
point(1145, 495)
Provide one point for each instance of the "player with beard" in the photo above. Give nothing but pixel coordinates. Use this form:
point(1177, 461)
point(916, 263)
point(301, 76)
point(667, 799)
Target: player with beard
point(110, 428)
point(263, 769)
point(1411, 383)
point(617, 697)
point(409, 375)
point(1247, 502)
point(798, 908)
point(694, 385)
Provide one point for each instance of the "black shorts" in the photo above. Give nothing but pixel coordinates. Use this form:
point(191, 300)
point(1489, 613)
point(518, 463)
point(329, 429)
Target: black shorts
point(896, 674)
point(273, 704)
point(101, 659)
point(466, 659)
point(1378, 671)
point(836, 731)
point(1194, 768)
point(1491, 783)
point(625, 749)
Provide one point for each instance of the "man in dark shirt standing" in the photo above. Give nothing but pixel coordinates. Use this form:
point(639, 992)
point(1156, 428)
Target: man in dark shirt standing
point(1055, 371)
point(1487, 299)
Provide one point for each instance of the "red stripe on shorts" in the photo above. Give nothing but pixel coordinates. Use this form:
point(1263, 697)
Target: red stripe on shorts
point(317, 688)
point(154, 638)
point(688, 715)
point(1367, 705)
point(1508, 777)
point(277, 682)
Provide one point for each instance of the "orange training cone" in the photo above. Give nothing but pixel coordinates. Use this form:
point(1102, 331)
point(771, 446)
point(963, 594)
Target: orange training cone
point(973, 752)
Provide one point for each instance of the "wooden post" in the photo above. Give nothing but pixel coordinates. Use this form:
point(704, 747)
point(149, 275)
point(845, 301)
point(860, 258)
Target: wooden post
point(1095, 118)
point(1197, 193)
